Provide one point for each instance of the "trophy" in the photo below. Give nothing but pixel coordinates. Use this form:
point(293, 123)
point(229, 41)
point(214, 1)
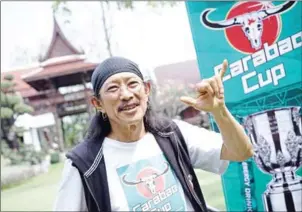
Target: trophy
point(277, 141)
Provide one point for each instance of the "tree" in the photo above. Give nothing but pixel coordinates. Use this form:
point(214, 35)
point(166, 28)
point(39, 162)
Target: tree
point(166, 102)
point(23, 55)
point(123, 4)
point(167, 98)
point(12, 105)
point(75, 128)
point(106, 29)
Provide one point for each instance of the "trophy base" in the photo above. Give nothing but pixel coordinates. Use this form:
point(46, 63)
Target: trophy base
point(287, 200)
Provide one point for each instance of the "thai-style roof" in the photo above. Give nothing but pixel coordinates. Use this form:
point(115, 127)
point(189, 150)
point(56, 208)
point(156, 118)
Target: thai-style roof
point(60, 72)
point(62, 64)
point(59, 45)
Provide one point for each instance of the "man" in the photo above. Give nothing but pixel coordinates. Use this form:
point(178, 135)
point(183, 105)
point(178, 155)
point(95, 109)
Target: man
point(133, 160)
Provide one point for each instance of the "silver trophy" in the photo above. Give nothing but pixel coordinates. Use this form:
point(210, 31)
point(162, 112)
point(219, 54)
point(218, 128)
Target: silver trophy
point(277, 141)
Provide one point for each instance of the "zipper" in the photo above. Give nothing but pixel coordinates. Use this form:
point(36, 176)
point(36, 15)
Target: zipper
point(88, 186)
point(188, 184)
point(191, 180)
point(187, 181)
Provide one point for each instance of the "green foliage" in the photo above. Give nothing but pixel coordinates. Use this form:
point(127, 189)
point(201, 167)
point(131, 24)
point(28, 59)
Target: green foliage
point(122, 4)
point(128, 4)
point(6, 113)
point(23, 108)
point(55, 5)
point(35, 157)
point(10, 100)
point(60, 3)
point(15, 159)
point(18, 130)
point(55, 157)
point(3, 98)
point(7, 85)
point(12, 105)
point(5, 150)
point(9, 77)
point(25, 155)
point(13, 99)
point(75, 128)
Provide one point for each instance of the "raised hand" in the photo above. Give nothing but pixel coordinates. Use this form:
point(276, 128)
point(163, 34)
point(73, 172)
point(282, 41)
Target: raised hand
point(210, 93)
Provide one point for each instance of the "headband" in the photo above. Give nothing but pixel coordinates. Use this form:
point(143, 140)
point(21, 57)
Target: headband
point(109, 67)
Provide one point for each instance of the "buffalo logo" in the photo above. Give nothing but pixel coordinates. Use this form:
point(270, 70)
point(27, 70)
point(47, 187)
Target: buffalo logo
point(248, 25)
point(149, 181)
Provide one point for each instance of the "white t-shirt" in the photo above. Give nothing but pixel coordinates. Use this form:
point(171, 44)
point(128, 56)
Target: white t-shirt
point(139, 177)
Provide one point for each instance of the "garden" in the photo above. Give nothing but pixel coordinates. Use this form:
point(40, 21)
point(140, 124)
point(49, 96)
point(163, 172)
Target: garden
point(38, 193)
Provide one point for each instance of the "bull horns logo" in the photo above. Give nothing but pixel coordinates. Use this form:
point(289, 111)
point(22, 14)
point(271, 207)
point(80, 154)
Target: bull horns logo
point(251, 22)
point(148, 181)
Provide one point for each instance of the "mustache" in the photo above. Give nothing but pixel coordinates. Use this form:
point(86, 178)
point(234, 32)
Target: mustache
point(127, 104)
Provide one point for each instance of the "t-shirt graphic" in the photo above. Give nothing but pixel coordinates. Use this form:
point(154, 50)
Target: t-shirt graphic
point(150, 185)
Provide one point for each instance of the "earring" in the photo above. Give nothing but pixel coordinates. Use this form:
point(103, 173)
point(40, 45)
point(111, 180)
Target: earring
point(104, 115)
point(148, 105)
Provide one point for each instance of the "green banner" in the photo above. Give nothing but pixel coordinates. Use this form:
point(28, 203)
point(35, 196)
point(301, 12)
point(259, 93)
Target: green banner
point(263, 89)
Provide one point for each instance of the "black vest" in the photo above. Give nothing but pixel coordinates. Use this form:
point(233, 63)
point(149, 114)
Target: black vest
point(87, 157)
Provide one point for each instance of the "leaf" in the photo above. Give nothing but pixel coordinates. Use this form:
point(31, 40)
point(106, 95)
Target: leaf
point(155, 4)
point(3, 98)
point(23, 108)
point(6, 85)
point(152, 4)
point(6, 113)
point(60, 4)
point(66, 10)
point(9, 77)
point(11, 104)
point(128, 4)
point(12, 99)
point(55, 6)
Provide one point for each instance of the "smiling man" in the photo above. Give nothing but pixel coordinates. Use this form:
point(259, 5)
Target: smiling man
point(133, 160)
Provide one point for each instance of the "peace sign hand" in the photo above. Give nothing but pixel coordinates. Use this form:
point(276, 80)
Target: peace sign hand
point(210, 93)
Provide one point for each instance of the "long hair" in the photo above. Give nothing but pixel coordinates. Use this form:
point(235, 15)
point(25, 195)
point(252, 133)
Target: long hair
point(100, 128)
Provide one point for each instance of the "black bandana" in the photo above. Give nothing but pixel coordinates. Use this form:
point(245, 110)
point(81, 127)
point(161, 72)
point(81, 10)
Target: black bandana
point(109, 67)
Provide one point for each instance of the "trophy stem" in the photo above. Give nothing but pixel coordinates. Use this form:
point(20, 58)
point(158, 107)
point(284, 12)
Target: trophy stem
point(284, 192)
point(285, 177)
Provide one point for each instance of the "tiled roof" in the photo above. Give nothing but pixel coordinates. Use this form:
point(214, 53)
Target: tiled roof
point(21, 86)
point(61, 69)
